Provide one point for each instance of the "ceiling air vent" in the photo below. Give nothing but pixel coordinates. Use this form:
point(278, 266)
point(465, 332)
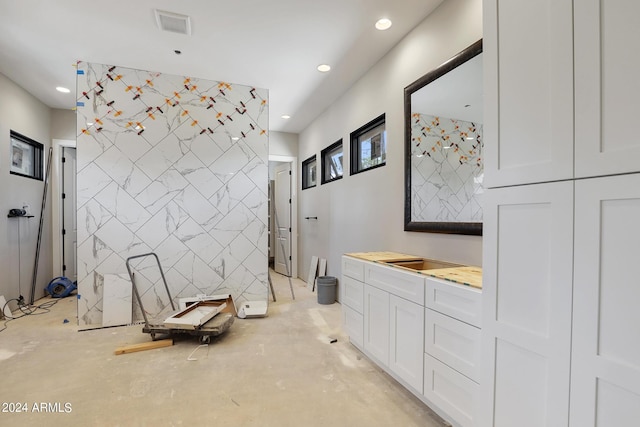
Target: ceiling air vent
point(174, 22)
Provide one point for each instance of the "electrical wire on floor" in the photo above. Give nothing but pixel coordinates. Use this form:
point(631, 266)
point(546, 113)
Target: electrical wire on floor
point(27, 309)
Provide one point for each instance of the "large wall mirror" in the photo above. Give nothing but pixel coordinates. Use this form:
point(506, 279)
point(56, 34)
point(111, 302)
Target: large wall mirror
point(443, 147)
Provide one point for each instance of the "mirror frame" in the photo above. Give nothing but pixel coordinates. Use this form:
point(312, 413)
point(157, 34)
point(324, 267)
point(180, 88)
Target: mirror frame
point(468, 228)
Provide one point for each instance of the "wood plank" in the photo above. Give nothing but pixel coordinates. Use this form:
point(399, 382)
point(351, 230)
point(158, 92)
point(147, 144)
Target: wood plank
point(471, 276)
point(144, 346)
point(383, 256)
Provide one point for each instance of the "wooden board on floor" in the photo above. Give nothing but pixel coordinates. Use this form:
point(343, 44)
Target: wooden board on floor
point(144, 346)
point(313, 269)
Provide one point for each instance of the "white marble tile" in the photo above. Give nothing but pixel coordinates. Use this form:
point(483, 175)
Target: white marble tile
point(161, 191)
point(199, 208)
point(228, 196)
point(91, 253)
point(120, 239)
point(117, 304)
point(230, 163)
point(171, 251)
point(123, 171)
point(197, 272)
point(124, 207)
point(131, 144)
point(257, 171)
point(198, 175)
point(257, 232)
point(198, 240)
point(255, 263)
point(206, 149)
point(89, 180)
point(159, 159)
point(164, 223)
point(90, 216)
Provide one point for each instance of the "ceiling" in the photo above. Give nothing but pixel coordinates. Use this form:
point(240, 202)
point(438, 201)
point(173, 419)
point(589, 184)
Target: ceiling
point(271, 44)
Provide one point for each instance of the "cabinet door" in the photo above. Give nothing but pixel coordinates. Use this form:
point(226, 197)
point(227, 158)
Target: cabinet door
point(526, 295)
point(607, 86)
point(353, 326)
point(352, 293)
point(353, 268)
point(528, 91)
point(406, 341)
point(376, 324)
point(454, 343)
point(605, 377)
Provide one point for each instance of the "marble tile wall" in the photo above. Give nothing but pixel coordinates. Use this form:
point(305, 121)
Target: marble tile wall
point(173, 165)
point(446, 169)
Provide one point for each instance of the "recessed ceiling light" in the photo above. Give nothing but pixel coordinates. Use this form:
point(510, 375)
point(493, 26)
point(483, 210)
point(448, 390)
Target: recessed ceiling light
point(62, 89)
point(383, 24)
point(235, 138)
point(286, 116)
point(323, 68)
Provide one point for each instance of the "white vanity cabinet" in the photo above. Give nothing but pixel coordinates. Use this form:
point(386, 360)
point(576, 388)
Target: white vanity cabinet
point(352, 299)
point(394, 321)
point(424, 331)
point(452, 349)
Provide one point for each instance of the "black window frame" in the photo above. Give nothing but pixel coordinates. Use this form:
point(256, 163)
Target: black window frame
point(36, 155)
point(305, 172)
point(355, 154)
point(324, 154)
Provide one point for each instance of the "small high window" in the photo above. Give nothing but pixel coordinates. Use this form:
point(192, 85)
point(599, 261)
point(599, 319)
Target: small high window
point(332, 162)
point(369, 146)
point(309, 172)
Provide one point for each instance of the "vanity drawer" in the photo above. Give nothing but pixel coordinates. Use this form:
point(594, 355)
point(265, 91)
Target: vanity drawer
point(352, 293)
point(458, 301)
point(451, 391)
point(353, 326)
point(353, 268)
point(455, 343)
point(406, 285)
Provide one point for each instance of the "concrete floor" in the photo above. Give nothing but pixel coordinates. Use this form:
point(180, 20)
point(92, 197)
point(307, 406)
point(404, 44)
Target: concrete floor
point(275, 371)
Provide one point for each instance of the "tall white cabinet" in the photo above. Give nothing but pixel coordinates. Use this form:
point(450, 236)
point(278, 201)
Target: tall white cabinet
point(561, 341)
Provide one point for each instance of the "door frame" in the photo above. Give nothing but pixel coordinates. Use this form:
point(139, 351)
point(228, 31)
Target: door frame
point(56, 203)
point(294, 208)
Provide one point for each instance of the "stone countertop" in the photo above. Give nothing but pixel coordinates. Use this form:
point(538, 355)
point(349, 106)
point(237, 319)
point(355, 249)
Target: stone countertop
point(464, 275)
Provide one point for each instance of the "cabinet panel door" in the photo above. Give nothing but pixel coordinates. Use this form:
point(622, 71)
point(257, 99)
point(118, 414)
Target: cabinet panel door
point(353, 268)
point(605, 364)
point(352, 293)
point(607, 87)
point(452, 392)
point(527, 291)
point(353, 326)
point(376, 324)
point(458, 301)
point(405, 284)
point(406, 350)
point(528, 91)
point(454, 343)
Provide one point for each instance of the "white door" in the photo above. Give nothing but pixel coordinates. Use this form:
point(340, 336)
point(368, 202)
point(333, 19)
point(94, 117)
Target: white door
point(69, 223)
point(282, 214)
point(526, 305)
point(406, 334)
point(605, 363)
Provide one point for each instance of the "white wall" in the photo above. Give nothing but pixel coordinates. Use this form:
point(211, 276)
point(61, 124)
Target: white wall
point(63, 124)
point(21, 112)
point(283, 144)
point(365, 212)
